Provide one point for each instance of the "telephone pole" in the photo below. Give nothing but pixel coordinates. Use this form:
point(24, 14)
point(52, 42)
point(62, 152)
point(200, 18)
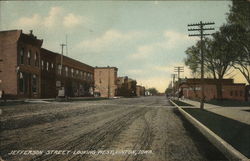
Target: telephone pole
point(178, 70)
point(173, 76)
point(201, 34)
point(62, 45)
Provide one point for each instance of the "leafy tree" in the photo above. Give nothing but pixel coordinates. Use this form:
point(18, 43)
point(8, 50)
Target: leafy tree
point(153, 91)
point(218, 57)
point(239, 28)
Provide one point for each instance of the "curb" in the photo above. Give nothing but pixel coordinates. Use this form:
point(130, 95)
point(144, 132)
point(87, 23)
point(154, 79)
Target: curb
point(230, 152)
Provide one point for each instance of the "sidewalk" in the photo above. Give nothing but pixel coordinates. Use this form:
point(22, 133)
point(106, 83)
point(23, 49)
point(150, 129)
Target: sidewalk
point(235, 113)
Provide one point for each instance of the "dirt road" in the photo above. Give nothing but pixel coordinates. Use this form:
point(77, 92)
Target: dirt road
point(146, 128)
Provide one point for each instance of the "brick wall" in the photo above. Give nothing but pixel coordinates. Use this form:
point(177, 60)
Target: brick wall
point(105, 81)
point(8, 64)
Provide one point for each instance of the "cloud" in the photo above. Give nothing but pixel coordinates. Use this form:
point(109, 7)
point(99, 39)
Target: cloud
point(56, 17)
point(135, 71)
point(35, 20)
point(107, 40)
point(53, 17)
point(171, 40)
point(72, 20)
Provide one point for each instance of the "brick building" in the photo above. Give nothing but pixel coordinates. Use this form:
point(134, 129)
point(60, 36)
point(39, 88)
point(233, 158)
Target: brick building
point(230, 90)
point(140, 90)
point(29, 71)
point(19, 55)
point(48, 79)
point(126, 87)
point(75, 77)
point(106, 81)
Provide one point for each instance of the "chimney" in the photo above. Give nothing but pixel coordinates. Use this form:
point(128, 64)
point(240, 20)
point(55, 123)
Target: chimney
point(31, 32)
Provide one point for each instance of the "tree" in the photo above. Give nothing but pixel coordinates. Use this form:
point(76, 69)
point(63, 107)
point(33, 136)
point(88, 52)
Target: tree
point(218, 57)
point(153, 91)
point(239, 28)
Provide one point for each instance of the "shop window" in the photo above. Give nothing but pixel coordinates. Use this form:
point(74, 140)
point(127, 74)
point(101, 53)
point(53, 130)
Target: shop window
point(29, 57)
point(34, 83)
point(21, 82)
point(22, 56)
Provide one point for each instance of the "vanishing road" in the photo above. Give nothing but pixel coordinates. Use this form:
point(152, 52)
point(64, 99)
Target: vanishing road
point(145, 128)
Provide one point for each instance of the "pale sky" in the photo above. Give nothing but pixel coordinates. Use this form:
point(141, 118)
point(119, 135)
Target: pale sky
point(143, 39)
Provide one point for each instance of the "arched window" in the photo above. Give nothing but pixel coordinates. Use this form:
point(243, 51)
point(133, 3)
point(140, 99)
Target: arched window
point(29, 57)
point(22, 56)
point(36, 59)
point(66, 71)
point(42, 64)
point(47, 66)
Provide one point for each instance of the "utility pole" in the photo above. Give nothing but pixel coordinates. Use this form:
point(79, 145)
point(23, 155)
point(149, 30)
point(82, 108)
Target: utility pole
point(178, 70)
point(201, 34)
point(62, 45)
point(173, 76)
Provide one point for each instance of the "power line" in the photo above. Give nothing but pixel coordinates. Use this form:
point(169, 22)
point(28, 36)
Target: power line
point(201, 34)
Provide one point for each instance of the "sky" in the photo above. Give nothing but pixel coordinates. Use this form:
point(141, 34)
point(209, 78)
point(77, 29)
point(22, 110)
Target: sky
point(145, 40)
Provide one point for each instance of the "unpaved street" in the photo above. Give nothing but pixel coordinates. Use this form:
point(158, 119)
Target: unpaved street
point(147, 123)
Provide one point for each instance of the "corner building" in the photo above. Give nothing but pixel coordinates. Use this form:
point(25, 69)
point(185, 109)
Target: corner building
point(19, 65)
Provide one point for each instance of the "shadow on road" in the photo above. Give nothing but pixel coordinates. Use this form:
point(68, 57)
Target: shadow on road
point(203, 145)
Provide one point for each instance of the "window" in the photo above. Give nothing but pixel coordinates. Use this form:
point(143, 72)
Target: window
point(59, 69)
point(231, 93)
point(36, 59)
point(29, 57)
point(52, 65)
point(42, 63)
point(66, 71)
point(47, 66)
point(81, 74)
point(34, 83)
point(22, 56)
point(77, 72)
point(88, 76)
point(72, 72)
point(84, 75)
point(21, 82)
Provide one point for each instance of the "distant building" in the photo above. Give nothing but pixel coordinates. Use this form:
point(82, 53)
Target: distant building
point(105, 81)
point(140, 90)
point(20, 72)
point(192, 89)
point(126, 87)
point(29, 71)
